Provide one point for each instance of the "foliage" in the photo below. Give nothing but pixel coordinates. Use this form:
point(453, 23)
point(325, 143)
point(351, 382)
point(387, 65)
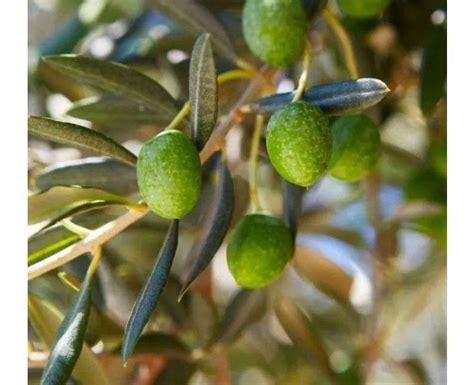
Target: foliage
point(114, 280)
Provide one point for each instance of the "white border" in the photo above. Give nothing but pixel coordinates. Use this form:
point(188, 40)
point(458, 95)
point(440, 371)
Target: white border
point(460, 191)
point(13, 213)
point(13, 331)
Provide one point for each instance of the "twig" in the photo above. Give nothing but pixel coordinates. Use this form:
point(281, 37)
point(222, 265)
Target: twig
point(374, 218)
point(235, 116)
point(180, 116)
point(221, 79)
point(222, 371)
point(303, 80)
point(344, 40)
point(253, 161)
point(88, 244)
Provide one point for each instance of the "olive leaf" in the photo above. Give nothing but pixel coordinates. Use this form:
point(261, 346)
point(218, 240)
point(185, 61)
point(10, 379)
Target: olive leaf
point(57, 202)
point(434, 68)
point(296, 325)
point(46, 320)
point(151, 291)
point(203, 313)
point(292, 195)
point(70, 338)
point(414, 210)
point(349, 236)
point(197, 19)
point(215, 228)
point(48, 242)
point(117, 79)
point(95, 172)
point(245, 308)
point(78, 136)
point(334, 98)
point(202, 90)
point(324, 274)
point(112, 110)
point(64, 40)
point(118, 298)
point(57, 237)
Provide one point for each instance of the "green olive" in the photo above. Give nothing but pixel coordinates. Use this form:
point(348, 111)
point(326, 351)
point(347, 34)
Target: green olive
point(355, 147)
point(259, 250)
point(362, 8)
point(274, 30)
point(169, 174)
point(299, 142)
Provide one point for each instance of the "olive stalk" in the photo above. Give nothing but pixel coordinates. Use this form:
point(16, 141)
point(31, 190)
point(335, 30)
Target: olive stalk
point(180, 116)
point(344, 40)
point(373, 332)
point(236, 114)
point(303, 80)
point(234, 74)
point(253, 162)
point(246, 66)
point(96, 256)
point(75, 228)
point(88, 244)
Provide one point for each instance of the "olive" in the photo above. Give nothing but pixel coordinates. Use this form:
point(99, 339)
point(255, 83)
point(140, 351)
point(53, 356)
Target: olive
point(362, 8)
point(355, 147)
point(169, 174)
point(299, 142)
point(259, 250)
point(274, 30)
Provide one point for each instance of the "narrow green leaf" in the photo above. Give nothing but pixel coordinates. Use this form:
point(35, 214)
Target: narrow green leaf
point(117, 79)
point(151, 292)
point(434, 68)
point(202, 90)
point(215, 227)
point(337, 98)
point(110, 110)
point(46, 320)
point(70, 338)
point(78, 136)
point(48, 242)
point(245, 308)
point(292, 196)
point(197, 19)
point(95, 172)
point(57, 237)
point(60, 200)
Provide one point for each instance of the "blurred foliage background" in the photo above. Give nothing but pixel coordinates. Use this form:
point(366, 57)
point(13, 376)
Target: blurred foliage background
point(364, 299)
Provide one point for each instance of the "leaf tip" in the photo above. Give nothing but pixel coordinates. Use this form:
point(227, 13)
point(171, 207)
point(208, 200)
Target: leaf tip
point(182, 292)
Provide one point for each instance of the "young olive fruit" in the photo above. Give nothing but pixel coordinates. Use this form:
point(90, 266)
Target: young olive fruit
point(299, 142)
point(355, 147)
point(362, 8)
point(274, 30)
point(169, 174)
point(259, 250)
